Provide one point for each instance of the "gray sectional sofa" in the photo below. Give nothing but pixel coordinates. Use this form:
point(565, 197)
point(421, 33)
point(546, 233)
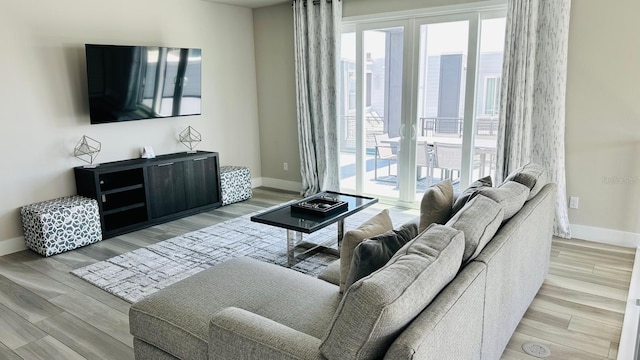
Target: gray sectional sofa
point(434, 299)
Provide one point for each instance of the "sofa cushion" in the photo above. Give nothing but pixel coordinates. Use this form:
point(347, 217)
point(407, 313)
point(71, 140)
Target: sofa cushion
point(377, 225)
point(176, 318)
point(464, 197)
point(372, 254)
point(510, 195)
point(436, 204)
point(375, 309)
point(532, 176)
point(331, 273)
point(479, 220)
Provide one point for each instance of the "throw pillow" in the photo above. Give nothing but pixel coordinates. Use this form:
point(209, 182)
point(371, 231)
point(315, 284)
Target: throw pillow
point(377, 225)
point(372, 254)
point(479, 220)
point(530, 175)
point(331, 273)
point(510, 195)
point(467, 194)
point(436, 204)
point(375, 309)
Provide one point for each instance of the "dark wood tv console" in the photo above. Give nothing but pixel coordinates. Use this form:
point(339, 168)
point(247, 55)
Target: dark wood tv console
point(137, 193)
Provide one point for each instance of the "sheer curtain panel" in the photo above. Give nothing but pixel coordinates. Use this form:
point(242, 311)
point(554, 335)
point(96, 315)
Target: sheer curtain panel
point(532, 120)
point(317, 36)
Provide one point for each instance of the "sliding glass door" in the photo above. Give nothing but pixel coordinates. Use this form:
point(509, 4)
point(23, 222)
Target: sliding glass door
point(371, 121)
point(442, 76)
point(419, 102)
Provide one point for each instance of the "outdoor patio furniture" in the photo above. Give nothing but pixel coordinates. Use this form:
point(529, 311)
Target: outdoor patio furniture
point(424, 158)
point(384, 151)
point(448, 158)
point(487, 126)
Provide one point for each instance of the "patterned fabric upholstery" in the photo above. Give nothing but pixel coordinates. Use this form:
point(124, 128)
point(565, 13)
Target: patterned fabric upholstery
point(532, 176)
point(236, 184)
point(376, 309)
point(55, 226)
point(479, 219)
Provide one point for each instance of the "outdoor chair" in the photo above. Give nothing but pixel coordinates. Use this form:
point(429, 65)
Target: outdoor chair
point(384, 151)
point(424, 159)
point(448, 158)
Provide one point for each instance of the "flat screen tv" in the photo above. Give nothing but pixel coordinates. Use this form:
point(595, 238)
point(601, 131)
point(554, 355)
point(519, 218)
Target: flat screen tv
point(142, 82)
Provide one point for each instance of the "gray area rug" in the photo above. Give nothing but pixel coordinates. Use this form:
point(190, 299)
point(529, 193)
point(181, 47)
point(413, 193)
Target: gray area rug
point(139, 273)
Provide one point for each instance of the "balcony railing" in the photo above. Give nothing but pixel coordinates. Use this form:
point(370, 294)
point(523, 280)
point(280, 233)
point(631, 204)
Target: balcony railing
point(453, 126)
point(373, 125)
point(427, 126)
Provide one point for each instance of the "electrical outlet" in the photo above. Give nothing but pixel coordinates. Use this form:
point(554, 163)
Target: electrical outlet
point(285, 166)
point(573, 202)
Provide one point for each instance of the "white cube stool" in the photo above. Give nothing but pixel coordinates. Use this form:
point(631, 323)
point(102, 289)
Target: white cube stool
point(55, 226)
point(235, 182)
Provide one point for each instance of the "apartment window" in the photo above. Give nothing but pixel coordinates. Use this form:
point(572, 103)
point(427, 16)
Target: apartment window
point(492, 95)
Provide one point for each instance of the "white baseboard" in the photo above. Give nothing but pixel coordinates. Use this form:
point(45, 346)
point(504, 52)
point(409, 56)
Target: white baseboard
point(256, 182)
point(629, 334)
point(606, 236)
point(281, 184)
point(11, 246)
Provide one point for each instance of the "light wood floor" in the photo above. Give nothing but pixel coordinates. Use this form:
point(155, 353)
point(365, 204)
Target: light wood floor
point(47, 313)
point(579, 310)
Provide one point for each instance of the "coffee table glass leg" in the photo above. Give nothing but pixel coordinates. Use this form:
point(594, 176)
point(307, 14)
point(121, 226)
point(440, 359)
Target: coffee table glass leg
point(293, 237)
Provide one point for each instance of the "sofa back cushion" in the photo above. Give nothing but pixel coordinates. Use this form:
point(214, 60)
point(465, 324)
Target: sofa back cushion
point(479, 219)
point(532, 176)
point(510, 195)
point(464, 197)
point(436, 204)
point(375, 309)
point(377, 225)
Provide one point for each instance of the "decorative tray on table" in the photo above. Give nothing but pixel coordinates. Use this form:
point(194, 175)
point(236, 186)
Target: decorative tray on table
point(321, 205)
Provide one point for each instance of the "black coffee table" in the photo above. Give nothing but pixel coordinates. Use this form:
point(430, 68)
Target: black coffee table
point(297, 222)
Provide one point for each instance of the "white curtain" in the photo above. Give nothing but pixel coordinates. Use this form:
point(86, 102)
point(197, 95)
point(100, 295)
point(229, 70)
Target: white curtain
point(317, 37)
point(532, 119)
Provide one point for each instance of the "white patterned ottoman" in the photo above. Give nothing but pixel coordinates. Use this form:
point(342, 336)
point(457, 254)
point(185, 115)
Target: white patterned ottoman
point(54, 226)
point(235, 182)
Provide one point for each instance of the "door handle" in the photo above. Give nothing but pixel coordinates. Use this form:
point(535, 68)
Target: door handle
point(402, 131)
point(165, 164)
point(413, 132)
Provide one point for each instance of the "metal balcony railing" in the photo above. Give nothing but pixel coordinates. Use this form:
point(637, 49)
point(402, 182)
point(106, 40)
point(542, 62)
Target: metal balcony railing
point(438, 126)
point(427, 126)
point(373, 125)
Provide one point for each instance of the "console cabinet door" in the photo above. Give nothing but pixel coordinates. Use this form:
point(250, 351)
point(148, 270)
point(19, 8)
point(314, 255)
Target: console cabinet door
point(201, 181)
point(166, 188)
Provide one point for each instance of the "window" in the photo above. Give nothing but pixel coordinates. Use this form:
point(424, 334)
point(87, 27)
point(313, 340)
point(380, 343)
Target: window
point(492, 95)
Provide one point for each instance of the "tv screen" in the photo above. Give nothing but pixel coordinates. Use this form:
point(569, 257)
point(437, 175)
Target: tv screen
point(142, 82)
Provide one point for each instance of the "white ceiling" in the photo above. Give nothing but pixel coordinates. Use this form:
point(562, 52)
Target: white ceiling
point(251, 3)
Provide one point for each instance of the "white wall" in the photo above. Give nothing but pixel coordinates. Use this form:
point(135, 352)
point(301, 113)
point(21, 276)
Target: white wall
point(273, 27)
point(368, 7)
point(43, 101)
point(603, 115)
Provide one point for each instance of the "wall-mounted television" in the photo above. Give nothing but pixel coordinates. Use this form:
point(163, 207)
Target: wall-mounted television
point(142, 82)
